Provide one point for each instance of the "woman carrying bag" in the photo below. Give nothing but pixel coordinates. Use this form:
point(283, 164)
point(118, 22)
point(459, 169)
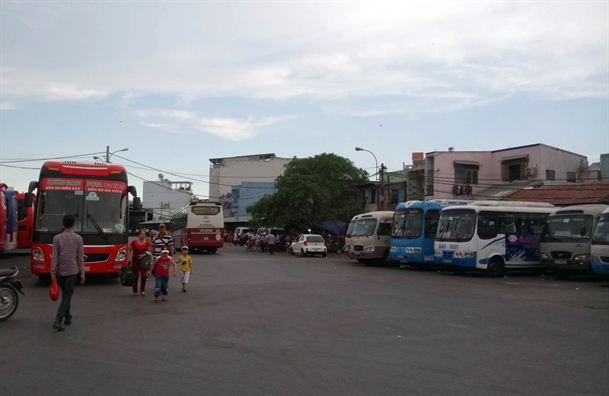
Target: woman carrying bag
point(139, 249)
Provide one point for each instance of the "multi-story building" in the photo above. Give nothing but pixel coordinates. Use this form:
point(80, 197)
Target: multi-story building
point(496, 174)
point(245, 195)
point(162, 198)
point(395, 186)
point(224, 173)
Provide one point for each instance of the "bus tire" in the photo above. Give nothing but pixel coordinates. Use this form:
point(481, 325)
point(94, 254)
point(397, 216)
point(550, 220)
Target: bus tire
point(387, 262)
point(495, 267)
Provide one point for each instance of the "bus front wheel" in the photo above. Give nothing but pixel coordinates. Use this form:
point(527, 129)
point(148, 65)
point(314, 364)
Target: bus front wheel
point(495, 267)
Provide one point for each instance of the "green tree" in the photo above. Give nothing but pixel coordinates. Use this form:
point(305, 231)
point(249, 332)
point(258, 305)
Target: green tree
point(311, 190)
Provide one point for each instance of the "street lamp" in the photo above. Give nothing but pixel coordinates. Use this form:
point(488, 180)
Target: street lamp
point(375, 160)
point(110, 154)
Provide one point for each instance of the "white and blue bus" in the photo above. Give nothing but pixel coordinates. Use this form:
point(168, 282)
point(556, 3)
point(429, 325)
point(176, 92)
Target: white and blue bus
point(491, 236)
point(599, 254)
point(414, 229)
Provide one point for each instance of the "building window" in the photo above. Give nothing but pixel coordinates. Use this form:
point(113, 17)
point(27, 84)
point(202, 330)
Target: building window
point(514, 170)
point(571, 177)
point(395, 196)
point(373, 196)
point(466, 174)
point(550, 174)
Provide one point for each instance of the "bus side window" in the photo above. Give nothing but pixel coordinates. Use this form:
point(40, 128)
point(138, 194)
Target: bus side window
point(384, 228)
point(487, 227)
point(432, 217)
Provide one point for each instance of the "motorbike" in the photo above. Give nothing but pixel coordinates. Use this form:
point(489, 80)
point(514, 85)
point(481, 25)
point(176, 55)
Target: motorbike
point(9, 289)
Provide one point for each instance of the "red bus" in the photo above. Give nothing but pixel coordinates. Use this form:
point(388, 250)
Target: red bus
point(200, 226)
point(96, 194)
point(25, 223)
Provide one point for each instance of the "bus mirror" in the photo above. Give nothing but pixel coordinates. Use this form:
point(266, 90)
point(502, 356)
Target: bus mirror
point(137, 203)
point(33, 185)
point(28, 200)
point(131, 190)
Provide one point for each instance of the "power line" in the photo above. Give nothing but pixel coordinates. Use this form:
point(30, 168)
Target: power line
point(51, 158)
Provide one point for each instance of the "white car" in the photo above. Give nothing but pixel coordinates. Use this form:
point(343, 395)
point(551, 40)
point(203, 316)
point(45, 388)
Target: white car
point(309, 244)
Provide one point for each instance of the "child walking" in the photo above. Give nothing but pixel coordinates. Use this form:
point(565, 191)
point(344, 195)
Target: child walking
point(185, 262)
point(161, 275)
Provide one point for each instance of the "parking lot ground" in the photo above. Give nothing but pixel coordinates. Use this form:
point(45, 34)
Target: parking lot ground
point(256, 324)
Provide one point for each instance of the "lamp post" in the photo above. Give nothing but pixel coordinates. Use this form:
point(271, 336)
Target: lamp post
point(379, 171)
point(110, 154)
point(375, 160)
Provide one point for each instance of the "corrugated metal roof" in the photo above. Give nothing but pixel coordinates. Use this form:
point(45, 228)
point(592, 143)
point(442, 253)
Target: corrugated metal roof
point(571, 194)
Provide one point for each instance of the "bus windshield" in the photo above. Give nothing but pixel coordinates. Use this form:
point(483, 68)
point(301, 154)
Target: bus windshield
point(601, 235)
point(456, 225)
point(53, 205)
point(567, 226)
point(106, 209)
point(364, 227)
point(407, 224)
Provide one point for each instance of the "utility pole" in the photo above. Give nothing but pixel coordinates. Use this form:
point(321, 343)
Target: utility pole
point(107, 154)
point(382, 195)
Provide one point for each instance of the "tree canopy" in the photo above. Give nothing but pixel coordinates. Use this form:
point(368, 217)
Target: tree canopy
point(311, 190)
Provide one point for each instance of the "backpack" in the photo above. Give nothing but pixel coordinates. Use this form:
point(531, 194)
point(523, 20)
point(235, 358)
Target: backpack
point(127, 277)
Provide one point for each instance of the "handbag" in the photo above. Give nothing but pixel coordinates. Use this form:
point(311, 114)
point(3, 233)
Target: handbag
point(127, 277)
point(54, 290)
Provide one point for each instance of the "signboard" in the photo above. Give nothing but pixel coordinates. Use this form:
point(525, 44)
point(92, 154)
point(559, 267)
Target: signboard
point(522, 247)
point(61, 184)
point(105, 186)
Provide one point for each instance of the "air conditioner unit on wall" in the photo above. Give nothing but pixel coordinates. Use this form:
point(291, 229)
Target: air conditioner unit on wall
point(531, 171)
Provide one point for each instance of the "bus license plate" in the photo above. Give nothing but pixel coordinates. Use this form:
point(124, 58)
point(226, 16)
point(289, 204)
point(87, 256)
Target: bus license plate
point(446, 261)
point(87, 269)
point(560, 262)
point(205, 238)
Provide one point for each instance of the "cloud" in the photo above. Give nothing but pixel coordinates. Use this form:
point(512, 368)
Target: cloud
point(360, 59)
point(7, 106)
point(186, 122)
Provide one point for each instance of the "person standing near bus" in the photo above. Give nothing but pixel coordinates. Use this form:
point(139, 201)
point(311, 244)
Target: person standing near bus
point(137, 253)
point(270, 241)
point(67, 260)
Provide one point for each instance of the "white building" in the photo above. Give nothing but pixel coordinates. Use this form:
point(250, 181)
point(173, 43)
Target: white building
point(232, 171)
point(163, 197)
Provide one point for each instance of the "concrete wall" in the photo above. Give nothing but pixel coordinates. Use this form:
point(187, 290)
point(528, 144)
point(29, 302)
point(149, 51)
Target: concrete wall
point(560, 162)
point(155, 192)
point(444, 171)
point(233, 172)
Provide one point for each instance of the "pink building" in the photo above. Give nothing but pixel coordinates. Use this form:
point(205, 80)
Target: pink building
point(496, 174)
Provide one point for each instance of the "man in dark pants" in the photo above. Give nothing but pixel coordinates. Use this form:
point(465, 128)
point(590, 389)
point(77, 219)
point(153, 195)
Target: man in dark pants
point(67, 261)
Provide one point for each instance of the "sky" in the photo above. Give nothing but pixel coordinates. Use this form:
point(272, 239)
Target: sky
point(178, 83)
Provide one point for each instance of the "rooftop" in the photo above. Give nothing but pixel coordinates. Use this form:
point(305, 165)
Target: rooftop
point(572, 194)
point(250, 157)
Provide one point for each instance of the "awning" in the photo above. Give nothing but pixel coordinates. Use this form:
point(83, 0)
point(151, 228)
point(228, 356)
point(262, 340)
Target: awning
point(465, 162)
point(515, 157)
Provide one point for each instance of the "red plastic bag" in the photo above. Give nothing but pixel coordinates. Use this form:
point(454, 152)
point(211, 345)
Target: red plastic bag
point(54, 290)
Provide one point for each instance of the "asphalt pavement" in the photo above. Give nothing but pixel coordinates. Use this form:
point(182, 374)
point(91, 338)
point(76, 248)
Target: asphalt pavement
point(255, 324)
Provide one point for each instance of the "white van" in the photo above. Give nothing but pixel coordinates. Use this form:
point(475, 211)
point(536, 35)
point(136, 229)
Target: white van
point(368, 237)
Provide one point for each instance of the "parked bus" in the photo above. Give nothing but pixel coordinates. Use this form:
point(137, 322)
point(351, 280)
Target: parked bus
point(566, 240)
point(491, 236)
point(25, 222)
point(368, 237)
point(414, 229)
point(599, 251)
point(9, 240)
point(199, 225)
point(96, 194)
